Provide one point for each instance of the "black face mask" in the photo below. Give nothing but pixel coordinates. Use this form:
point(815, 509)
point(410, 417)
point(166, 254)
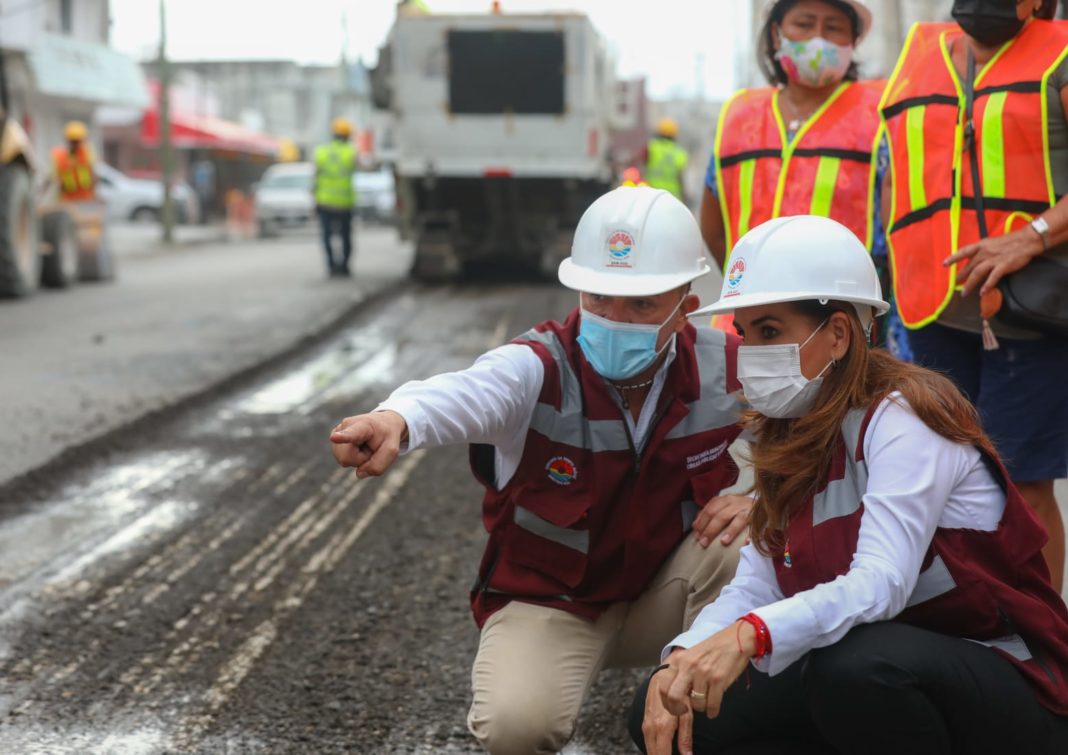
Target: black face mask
point(988, 22)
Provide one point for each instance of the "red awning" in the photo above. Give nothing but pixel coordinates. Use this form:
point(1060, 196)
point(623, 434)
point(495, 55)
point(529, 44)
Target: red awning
point(190, 131)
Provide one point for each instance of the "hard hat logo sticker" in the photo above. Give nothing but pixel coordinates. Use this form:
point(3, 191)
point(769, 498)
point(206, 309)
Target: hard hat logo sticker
point(735, 275)
point(561, 470)
point(620, 247)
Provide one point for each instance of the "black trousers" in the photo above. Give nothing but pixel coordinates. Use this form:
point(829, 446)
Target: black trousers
point(885, 688)
point(339, 222)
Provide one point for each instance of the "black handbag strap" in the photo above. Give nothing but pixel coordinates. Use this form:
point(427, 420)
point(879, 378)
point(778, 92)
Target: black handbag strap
point(972, 146)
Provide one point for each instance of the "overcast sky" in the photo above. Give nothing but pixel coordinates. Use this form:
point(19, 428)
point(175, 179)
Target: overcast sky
point(680, 45)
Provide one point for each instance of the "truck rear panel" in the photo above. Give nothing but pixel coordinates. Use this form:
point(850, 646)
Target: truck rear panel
point(524, 96)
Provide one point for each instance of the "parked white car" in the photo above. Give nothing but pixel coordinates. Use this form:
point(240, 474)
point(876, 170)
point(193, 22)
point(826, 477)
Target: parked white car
point(141, 199)
point(376, 195)
point(284, 197)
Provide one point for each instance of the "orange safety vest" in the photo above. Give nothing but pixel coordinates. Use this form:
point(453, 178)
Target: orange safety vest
point(75, 174)
point(828, 169)
point(934, 208)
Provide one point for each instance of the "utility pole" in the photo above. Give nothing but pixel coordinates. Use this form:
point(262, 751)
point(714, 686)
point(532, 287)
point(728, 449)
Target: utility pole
point(166, 150)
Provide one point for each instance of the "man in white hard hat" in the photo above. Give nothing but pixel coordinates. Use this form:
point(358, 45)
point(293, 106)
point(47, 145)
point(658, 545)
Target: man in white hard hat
point(602, 444)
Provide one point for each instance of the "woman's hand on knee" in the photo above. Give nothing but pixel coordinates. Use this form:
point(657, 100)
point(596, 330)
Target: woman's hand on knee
point(660, 726)
point(701, 675)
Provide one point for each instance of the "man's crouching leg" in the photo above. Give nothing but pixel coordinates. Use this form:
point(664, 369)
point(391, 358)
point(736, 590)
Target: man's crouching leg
point(533, 670)
point(690, 579)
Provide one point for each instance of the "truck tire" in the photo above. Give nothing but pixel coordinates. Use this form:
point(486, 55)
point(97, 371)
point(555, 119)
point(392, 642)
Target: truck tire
point(20, 264)
point(59, 268)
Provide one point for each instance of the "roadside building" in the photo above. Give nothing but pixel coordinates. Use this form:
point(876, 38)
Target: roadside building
point(213, 155)
point(60, 68)
point(279, 97)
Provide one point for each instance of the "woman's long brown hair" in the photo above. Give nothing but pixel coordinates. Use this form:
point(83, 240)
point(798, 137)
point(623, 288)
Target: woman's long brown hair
point(792, 457)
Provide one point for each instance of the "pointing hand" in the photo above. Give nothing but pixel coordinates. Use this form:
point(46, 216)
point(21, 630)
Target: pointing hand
point(369, 443)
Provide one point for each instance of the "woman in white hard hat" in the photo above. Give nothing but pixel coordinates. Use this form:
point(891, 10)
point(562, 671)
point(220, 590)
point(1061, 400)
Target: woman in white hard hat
point(808, 144)
point(894, 598)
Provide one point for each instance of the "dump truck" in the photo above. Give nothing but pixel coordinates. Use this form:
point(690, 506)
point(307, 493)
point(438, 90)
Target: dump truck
point(501, 124)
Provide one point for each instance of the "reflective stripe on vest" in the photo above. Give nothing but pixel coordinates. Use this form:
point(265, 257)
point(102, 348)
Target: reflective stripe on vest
point(827, 169)
point(933, 202)
point(578, 540)
point(664, 167)
point(933, 581)
point(715, 408)
point(334, 165)
point(843, 497)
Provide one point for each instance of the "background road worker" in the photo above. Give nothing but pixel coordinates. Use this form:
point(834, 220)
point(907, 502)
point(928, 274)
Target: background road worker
point(666, 161)
point(73, 165)
point(335, 195)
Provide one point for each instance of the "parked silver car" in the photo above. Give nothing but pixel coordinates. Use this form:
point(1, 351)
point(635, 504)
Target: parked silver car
point(376, 195)
point(284, 197)
point(141, 199)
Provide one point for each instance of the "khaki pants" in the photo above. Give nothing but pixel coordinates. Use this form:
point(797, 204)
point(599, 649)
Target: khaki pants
point(535, 664)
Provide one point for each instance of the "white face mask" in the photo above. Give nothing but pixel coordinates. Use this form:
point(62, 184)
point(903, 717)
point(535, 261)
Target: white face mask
point(772, 380)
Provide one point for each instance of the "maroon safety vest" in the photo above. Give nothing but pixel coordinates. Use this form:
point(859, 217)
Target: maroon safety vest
point(586, 522)
point(992, 587)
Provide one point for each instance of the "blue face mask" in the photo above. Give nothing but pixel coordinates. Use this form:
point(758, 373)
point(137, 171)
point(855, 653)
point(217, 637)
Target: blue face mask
point(620, 350)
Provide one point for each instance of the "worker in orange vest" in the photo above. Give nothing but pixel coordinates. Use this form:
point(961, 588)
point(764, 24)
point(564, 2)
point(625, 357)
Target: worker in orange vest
point(74, 165)
point(978, 139)
point(808, 144)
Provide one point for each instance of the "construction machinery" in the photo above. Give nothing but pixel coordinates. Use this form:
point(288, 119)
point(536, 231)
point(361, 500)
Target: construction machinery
point(501, 124)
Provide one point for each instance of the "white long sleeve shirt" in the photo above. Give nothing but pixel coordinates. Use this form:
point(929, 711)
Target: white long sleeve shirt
point(493, 402)
point(917, 481)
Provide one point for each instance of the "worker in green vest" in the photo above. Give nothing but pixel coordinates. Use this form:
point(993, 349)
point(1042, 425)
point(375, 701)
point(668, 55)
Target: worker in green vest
point(335, 195)
point(666, 161)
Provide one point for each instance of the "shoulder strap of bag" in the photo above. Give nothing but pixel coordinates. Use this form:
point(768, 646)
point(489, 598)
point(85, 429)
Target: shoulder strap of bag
point(972, 146)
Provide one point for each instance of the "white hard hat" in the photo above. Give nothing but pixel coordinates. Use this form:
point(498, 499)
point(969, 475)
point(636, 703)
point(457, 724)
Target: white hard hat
point(634, 241)
point(861, 8)
point(800, 258)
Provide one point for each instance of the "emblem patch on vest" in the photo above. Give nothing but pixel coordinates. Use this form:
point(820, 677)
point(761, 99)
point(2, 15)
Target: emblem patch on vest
point(734, 276)
point(561, 470)
point(620, 248)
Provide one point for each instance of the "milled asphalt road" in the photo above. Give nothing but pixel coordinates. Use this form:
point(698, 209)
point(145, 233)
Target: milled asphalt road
point(210, 581)
point(214, 583)
point(81, 362)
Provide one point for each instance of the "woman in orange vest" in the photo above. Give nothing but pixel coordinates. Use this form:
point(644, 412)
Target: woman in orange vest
point(978, 137)
point(807, 145)
point(74, 165)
